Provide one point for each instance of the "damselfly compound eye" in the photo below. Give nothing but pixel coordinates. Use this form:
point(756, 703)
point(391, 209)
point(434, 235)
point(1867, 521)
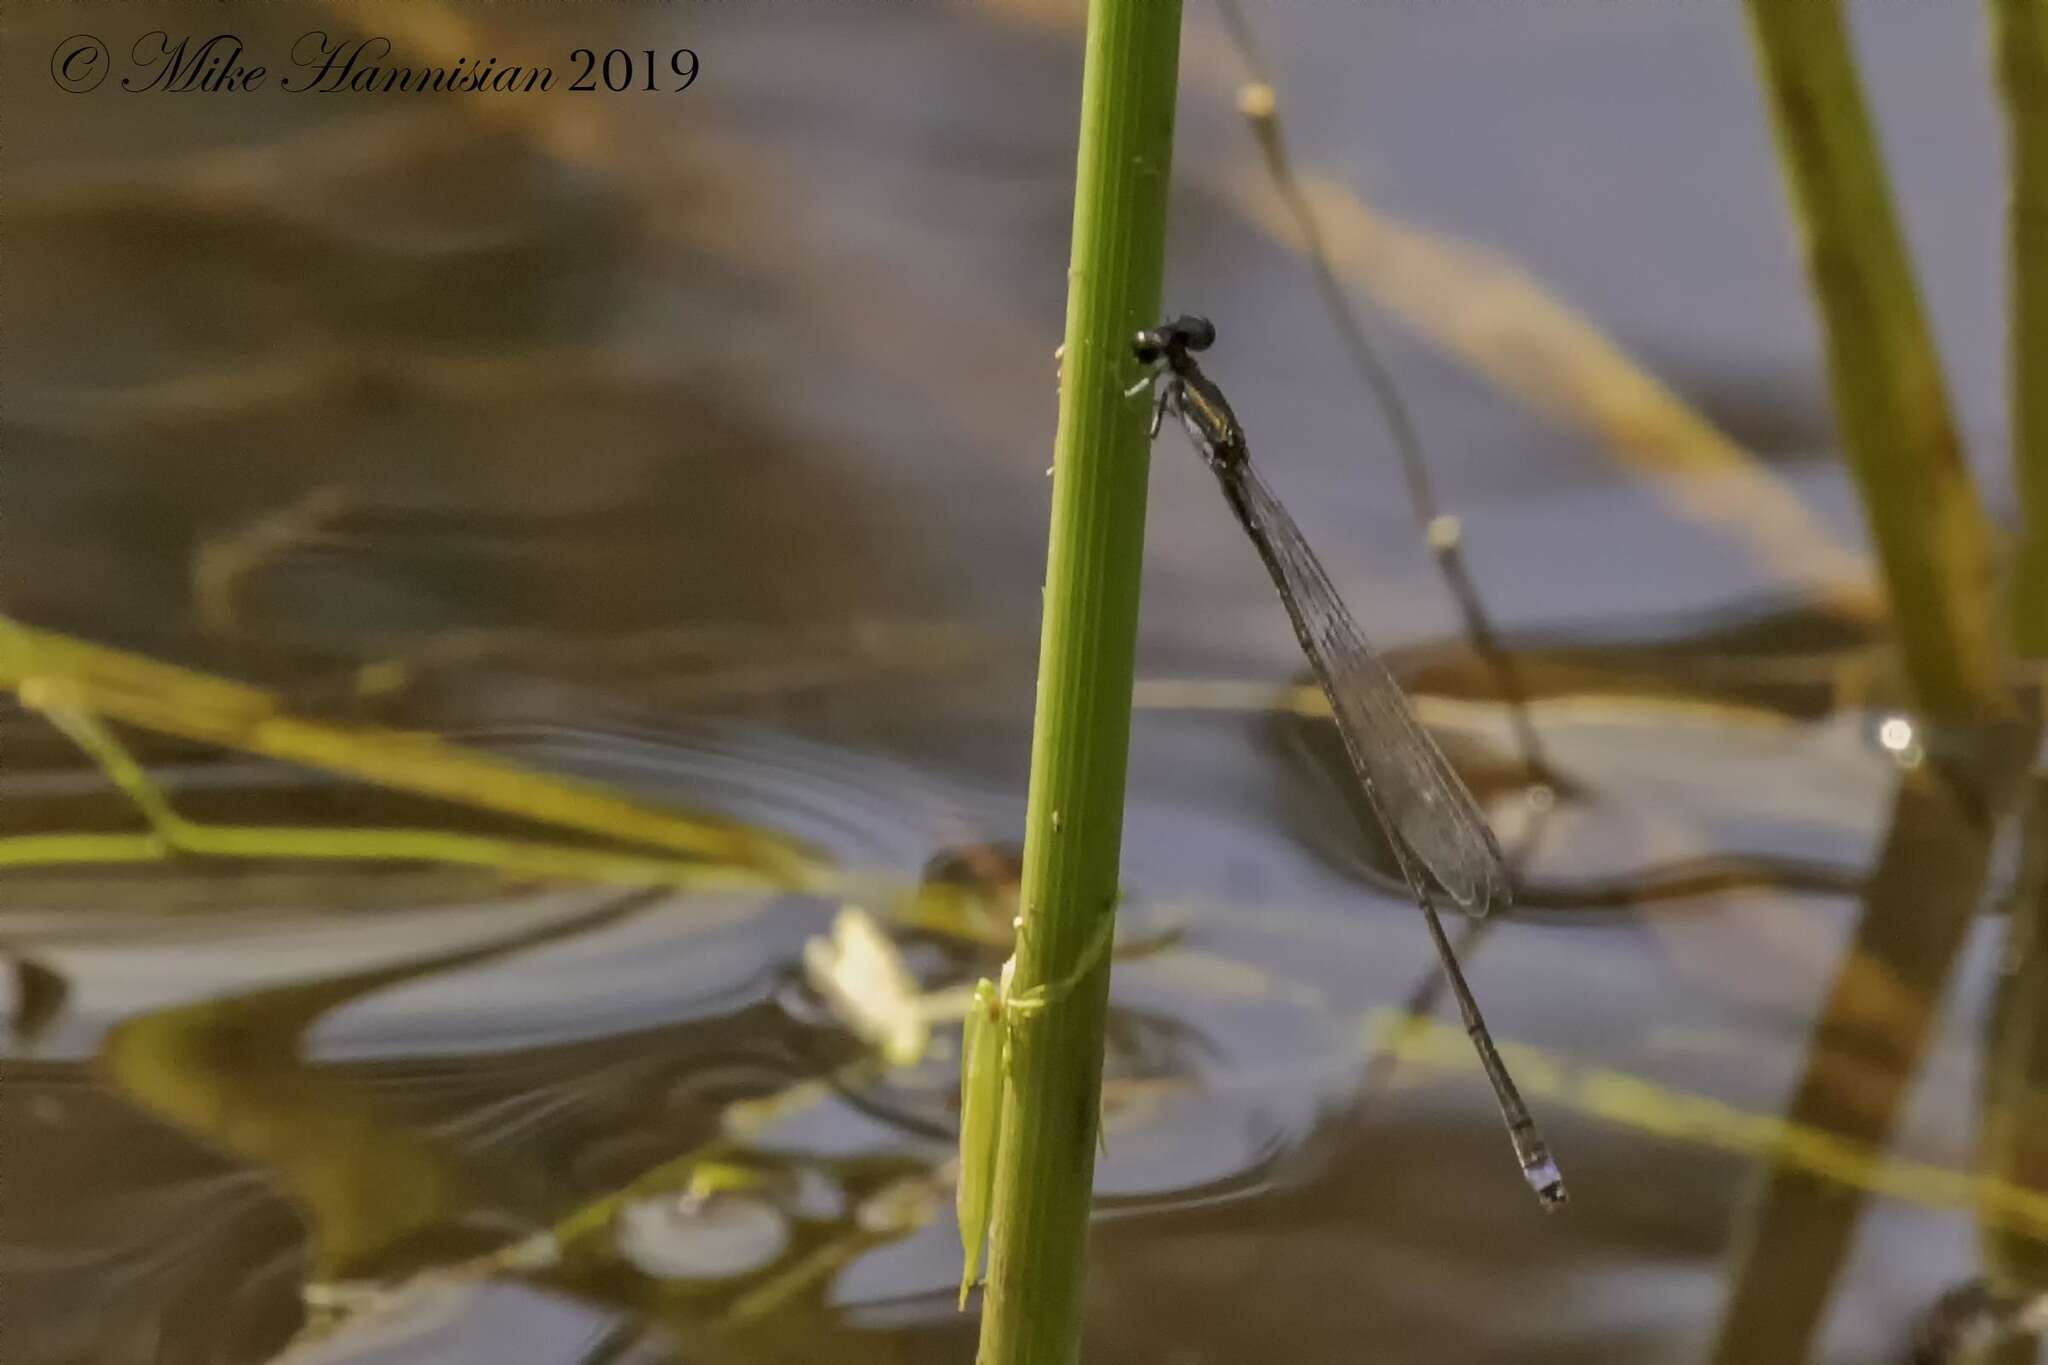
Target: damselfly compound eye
point(1196, 333)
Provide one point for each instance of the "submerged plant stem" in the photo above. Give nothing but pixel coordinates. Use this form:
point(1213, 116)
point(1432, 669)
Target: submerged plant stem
point(1865, 1052)
point(112, 684)
point(2013, 1135)
point(1081, 733)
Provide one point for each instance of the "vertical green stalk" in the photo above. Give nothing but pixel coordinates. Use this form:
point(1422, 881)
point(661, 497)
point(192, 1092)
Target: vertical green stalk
point(2020, 44)
point(1081, 736)
point(1932, 536)
point(1934, 543)
point(2013, 1143)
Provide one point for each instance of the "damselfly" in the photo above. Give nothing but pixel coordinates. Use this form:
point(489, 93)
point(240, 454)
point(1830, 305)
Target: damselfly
point(1432, 824)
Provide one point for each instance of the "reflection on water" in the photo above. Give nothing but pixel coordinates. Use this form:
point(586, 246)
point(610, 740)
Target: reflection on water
point(672, 449)
point(630, 1103)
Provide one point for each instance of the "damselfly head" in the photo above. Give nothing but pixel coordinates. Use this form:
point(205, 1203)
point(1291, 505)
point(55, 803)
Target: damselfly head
point(1159, 345)
point(1192, 332)
point(1174, 337)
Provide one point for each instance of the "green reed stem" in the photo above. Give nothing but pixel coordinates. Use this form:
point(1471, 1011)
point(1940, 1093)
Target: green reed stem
point(2020, 45)
point(1932, 536)
point(1081, 734)
point(1883, 1006)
